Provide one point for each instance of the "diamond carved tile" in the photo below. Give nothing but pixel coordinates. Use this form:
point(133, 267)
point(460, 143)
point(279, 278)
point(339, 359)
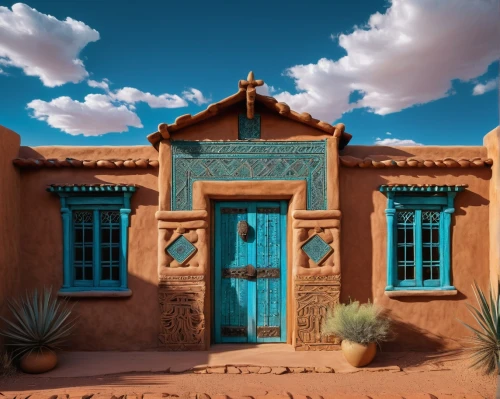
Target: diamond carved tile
point(181, 249)
point(317, 249)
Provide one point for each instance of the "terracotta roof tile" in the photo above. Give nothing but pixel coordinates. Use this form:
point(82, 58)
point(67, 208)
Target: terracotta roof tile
point(76, 163)
point(164, 130)
point(353, 162)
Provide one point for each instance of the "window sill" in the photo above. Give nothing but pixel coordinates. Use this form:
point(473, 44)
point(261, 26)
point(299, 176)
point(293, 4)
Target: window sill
point(73, 293)
point(399, 293)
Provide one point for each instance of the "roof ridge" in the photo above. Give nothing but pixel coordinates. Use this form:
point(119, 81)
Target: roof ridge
point(37, 163)
point(246, 89)
point(350, 161)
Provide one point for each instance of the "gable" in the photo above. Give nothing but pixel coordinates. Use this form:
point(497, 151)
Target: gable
point(221, 120)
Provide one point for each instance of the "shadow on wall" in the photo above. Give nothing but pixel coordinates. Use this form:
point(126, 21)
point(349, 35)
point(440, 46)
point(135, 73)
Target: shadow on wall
point(364, 251)
point(104, 323)
point(415, 339)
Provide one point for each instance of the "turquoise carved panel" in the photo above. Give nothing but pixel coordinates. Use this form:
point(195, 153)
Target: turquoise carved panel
point(248, 129)
point(240, 160)
point(181, 249)
point(317, 249)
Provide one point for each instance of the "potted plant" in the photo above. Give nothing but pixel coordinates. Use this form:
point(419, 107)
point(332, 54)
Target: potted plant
point(360, 327)
point(40, 325)
point(484, 345)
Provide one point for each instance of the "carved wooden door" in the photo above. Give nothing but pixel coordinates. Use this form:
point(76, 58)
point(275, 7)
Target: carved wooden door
point(250, 272)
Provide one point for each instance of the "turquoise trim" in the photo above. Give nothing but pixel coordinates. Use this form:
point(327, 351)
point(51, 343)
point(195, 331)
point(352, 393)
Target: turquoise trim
point(100, 199)
point(421, 189)
point(440, 199)
point(90, 188)
point(248, 160)
point(248, 129)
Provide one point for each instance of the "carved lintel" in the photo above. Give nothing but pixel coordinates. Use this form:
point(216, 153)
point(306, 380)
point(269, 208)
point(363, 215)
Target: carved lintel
point(313, 299)
point(182, 322)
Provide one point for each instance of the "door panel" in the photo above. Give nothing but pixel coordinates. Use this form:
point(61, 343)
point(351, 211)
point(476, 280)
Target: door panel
point(268, 265)
point(234, 290)
point(250, 272)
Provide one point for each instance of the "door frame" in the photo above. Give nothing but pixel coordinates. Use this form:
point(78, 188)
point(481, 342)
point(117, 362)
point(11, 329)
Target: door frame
point(251, 205)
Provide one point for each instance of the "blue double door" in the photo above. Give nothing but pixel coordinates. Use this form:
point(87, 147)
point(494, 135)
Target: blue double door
point(250, 272)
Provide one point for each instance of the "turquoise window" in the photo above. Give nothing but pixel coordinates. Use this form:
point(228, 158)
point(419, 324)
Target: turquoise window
point(95, 238)
point(419, 236)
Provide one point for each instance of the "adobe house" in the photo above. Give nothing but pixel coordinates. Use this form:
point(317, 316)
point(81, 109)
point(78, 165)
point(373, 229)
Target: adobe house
point(245, 223)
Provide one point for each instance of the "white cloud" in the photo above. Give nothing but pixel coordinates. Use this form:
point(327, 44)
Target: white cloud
point(389, 133)
point(480, 88)
point(42, 45)
point(195, 96)
point(2, 72)
point(100, 85)
point(266, 90)
point(396, 142)
point(95, 116)
point(131, 95)
point(103, 113)
point(409, 55)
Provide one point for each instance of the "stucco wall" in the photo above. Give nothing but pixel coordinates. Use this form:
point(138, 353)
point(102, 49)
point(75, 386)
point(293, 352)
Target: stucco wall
point(133, 323)
point(422, 322)
point(106, 323)
point(492, 143)
point(9, 219)
point(272, 127)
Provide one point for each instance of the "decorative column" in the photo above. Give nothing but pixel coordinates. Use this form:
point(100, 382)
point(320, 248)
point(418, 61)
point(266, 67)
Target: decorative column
point(316, 270)
point(182, 267)
point(66, 220)
point(124, 223)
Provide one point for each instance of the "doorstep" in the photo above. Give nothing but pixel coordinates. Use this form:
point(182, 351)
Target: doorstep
point(87, 364)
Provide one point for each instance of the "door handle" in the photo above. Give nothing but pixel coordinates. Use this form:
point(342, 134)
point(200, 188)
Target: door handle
point(251, 271)
point(242, 229)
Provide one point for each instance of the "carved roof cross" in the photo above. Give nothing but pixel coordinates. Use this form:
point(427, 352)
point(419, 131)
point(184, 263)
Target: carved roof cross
point(249, 86)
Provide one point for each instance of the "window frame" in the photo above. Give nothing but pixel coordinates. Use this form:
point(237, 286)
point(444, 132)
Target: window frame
point(77, 198)
point(420, 199)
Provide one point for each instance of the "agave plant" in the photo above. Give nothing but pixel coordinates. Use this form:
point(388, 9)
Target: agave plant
point(39, 322)
point(485, 343)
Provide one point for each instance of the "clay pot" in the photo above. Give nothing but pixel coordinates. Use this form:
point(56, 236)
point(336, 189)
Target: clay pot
point(358, 355)
point(37, 362)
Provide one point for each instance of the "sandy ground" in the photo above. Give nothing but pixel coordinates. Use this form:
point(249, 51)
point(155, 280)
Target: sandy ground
point(455, 382)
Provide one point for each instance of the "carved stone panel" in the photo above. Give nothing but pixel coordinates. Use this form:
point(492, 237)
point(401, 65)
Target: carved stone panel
point(314, 295)
point(182, 317)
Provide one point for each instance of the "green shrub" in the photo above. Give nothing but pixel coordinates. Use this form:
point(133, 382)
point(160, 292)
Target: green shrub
point(357, 323)
point(39, 322)
point(484, 346)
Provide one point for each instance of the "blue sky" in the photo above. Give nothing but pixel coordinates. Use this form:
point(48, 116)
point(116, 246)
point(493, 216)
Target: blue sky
point(400, 72)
